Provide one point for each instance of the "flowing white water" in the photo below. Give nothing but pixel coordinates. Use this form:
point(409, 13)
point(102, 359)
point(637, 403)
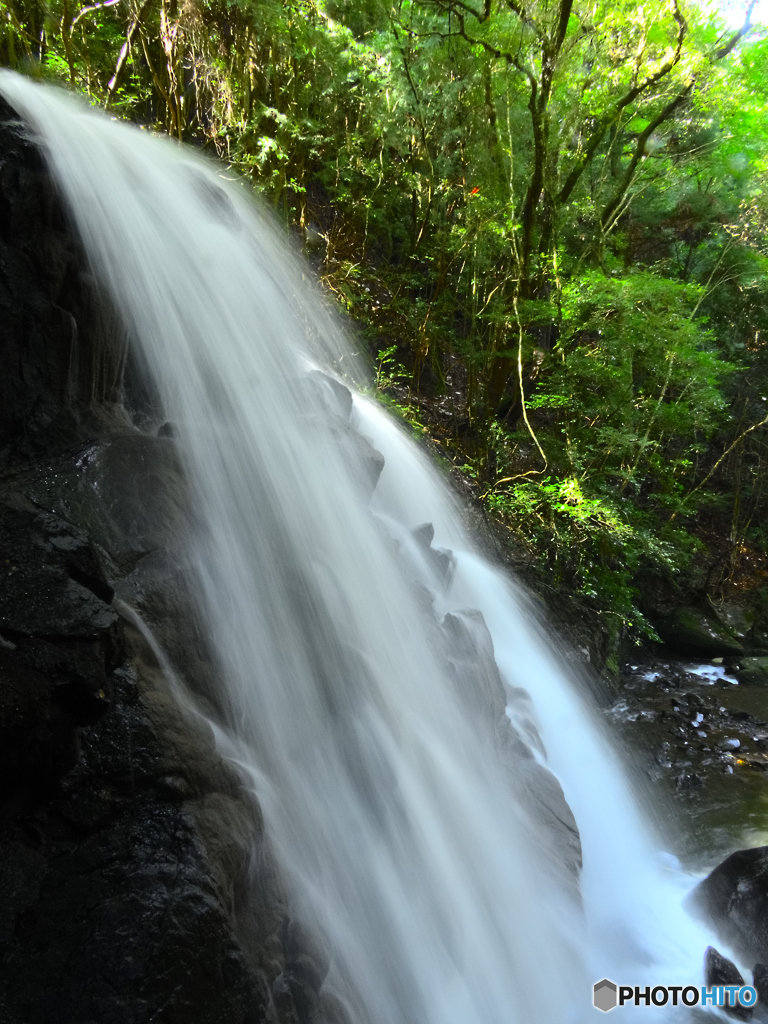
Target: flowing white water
point(399, 833)
point(632, 892)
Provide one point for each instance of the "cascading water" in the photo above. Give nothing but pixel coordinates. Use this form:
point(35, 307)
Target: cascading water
point(403, 838)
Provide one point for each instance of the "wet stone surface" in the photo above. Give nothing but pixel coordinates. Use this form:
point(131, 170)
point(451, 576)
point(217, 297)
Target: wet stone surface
point(137, 883)
point(699, 740)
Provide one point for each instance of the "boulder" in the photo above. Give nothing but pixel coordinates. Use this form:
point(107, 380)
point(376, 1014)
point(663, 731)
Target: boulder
point(734, 900)
point(694, 631)
point(750, 671)
point(336, 396)
point(760, 982)
point(739, 619)
point(365, 461)
point(719, 970)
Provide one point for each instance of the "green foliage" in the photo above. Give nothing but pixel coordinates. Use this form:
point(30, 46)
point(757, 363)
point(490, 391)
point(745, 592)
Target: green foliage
point(390, 378)
point(388, 370)
point(634, 374)
point(632, 393)
point(549, 219)
point(583, 544)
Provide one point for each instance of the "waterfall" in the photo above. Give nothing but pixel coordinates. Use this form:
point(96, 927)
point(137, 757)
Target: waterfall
point(399, 808)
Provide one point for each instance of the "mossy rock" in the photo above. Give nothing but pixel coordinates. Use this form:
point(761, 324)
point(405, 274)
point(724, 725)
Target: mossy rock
point(693, 631)
point(752, 671)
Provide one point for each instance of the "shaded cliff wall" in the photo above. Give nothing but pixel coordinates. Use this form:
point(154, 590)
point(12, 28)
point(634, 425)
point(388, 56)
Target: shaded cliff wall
point(136, 883)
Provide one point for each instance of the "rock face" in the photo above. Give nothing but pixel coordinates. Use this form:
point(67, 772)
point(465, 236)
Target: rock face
point(734, 898)
point(63, 350)
point(136, 882)
point(694, 631)
point(124, 834)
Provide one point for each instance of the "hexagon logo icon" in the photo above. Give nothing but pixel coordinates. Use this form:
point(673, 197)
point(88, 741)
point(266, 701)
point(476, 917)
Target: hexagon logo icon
point(604, 995)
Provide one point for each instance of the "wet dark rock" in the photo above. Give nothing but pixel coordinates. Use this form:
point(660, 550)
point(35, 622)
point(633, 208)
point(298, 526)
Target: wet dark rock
point(63, 350)
point(674, 735)
point(333, 410)
point(751, 671)
point(734, 899)
point(306, 967)
point(140, 880)
point(129, 490)
point(119, 908)
point(136, 881)
point(760, 982)
point(423, 535)
point(694, 631)
point(331, 1009)
point(557, 829)
point(50, 577)
point(689, 780)
point(718, 970)
point(522, 714)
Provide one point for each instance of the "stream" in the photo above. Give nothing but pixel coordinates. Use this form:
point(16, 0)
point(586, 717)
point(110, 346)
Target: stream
point(698, 741)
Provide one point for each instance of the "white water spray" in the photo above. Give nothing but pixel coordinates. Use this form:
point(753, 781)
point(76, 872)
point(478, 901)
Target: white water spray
point(401, 837)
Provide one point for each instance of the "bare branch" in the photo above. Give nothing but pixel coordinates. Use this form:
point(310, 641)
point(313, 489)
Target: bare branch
point(454, 6)
point(520, 384)
point(640, 150)
point(411, 83)
point(755, 426)
point(505, 55)
point(526, 18)
point(125, 52)
point(87, 10)
point(599, 133)
point(566, 6)
point(745, 29)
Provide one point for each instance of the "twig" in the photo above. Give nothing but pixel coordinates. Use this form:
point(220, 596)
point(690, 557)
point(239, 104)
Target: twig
point(93, 7)
point(725, 454)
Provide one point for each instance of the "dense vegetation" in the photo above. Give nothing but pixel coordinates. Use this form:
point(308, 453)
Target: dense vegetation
point(548, 218)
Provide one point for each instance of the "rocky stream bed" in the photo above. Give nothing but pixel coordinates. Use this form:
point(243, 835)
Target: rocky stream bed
point(697, 735)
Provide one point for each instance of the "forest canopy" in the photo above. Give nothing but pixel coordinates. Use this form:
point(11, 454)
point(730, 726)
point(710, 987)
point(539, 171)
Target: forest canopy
point(548, 220)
